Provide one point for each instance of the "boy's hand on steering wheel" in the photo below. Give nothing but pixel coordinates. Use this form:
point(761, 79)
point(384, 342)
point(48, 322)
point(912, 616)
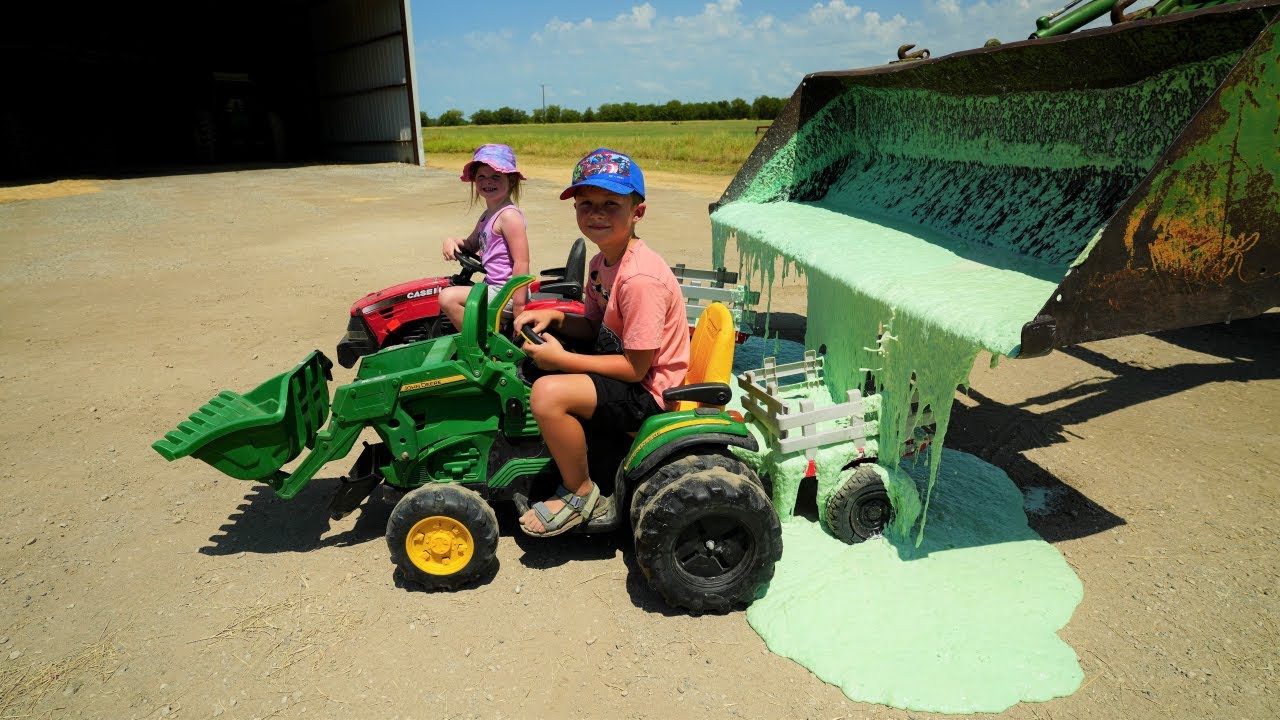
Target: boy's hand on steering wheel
point(539, 320)
point(531, 326)
point(544, 354)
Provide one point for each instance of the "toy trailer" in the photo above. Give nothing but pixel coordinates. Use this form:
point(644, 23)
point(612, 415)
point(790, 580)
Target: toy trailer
point(792, 429)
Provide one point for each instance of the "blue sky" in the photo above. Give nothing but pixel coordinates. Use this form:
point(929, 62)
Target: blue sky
point(486, 55)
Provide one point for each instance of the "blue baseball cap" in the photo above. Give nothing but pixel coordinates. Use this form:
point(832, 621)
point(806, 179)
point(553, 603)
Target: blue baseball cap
point(608, 169)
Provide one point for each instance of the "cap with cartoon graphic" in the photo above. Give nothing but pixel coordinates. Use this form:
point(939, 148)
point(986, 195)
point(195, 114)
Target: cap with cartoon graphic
point(608, 169)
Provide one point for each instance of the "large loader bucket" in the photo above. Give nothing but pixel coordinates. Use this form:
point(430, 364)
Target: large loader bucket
point(251, 436)
point(1105, 183)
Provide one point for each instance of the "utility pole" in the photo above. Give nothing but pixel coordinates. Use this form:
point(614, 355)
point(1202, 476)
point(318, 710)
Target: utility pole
point(544, 102)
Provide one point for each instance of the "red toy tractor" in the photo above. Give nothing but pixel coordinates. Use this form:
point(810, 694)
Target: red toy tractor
point(410, 311)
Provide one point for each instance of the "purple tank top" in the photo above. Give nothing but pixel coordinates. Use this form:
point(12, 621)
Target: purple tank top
point(494, 252)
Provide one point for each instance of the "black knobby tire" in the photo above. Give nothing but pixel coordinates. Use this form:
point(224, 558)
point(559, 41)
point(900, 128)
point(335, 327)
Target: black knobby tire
point(440, 327)
point(416, 331)
point(708, 540)
point(693, 461)
point(442, 536)
point(861, 507)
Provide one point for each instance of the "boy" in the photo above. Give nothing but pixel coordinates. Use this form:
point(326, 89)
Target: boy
point(635, 312)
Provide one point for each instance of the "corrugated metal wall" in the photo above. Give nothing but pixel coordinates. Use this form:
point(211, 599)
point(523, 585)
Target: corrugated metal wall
point(205, 83)
point(366, 101)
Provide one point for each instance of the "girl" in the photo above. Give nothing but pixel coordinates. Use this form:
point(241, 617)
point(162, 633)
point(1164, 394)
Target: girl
point(500, 236)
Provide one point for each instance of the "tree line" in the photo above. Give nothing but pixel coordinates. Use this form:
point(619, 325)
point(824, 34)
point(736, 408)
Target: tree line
point(762, 108)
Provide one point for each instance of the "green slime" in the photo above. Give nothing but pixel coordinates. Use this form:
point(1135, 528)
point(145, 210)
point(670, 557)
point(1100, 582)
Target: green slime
point(965, 622)
point(913, 359)
point(931, 226)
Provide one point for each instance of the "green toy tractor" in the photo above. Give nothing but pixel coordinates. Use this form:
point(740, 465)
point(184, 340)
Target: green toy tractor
point(456, 434)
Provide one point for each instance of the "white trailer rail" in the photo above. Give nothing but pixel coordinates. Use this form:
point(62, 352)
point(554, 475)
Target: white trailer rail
point(703, 287)
point(782, 418)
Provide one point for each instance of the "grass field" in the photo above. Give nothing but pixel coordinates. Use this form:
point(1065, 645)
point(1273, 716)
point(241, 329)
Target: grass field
point(714, 147)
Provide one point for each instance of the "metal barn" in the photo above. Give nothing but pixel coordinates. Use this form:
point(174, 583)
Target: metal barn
point(144, 87)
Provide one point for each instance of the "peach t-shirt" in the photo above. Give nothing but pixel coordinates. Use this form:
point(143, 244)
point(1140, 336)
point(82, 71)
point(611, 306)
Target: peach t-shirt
point(639, 307)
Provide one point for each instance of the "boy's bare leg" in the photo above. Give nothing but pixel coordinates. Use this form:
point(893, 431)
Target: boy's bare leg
point(557, 401)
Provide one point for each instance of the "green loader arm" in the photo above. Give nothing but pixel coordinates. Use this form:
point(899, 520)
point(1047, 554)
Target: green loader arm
point(332, 443)
point(1069, 20)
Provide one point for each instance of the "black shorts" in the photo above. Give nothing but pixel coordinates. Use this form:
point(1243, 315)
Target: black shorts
point(621, 406)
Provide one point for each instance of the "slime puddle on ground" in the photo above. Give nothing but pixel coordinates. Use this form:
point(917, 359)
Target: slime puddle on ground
point(964, 623)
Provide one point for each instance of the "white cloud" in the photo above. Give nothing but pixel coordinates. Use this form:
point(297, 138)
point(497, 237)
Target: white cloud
point(951, 25)
point(718, 52)
point(948, 7)
point(835, 11)
point(640, 18)
point(488, 40)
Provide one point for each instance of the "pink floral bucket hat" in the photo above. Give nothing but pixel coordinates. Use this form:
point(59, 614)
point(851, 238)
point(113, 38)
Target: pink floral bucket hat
point(499, 157)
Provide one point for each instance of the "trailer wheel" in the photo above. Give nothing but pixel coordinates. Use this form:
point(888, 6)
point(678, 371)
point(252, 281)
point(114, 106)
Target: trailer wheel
point(861, 507)
point(708, 540)
point(442, 536)
point(699, 459)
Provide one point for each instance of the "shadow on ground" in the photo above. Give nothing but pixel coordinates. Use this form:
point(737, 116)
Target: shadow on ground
point(265, 523)
point(1001, 434)
point(145, 170)
point(1240, 351)
point(543, 553)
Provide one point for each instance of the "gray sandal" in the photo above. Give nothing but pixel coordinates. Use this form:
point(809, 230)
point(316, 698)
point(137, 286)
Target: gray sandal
point(576, 510)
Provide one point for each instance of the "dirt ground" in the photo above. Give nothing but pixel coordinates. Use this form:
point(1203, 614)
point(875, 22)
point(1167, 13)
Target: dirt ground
point(135, 588)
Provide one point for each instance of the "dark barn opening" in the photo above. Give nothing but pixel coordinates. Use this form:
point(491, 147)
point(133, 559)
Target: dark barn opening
point(119, 88)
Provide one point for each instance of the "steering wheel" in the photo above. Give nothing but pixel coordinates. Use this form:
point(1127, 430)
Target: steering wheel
point(469, 261)
point(531, 335)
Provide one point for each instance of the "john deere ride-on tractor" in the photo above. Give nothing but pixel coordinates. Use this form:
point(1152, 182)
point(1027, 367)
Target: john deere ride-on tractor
point(456, 433)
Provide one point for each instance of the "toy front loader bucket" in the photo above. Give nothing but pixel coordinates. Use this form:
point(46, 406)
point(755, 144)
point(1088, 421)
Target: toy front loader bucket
point(251, 436)
point(1104, 183)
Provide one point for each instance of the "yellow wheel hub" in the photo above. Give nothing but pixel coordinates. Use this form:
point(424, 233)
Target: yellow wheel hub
point(439, 545)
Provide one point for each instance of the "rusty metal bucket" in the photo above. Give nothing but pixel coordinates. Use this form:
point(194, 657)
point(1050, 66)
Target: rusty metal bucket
point(1132, 170)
